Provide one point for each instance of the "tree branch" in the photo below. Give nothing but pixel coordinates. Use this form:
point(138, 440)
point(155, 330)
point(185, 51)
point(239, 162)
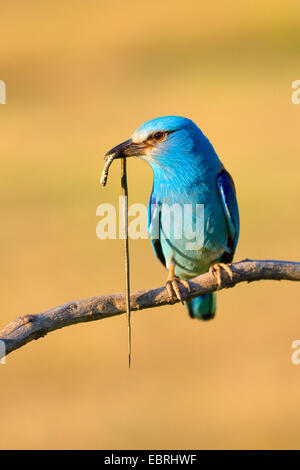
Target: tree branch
point(26, 328)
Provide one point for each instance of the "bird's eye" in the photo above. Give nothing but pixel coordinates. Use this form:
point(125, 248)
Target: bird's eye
point(159, 136)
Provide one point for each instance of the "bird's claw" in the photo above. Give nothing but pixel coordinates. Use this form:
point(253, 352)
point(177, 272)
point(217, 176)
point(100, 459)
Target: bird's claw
point(173, 283)
point(216, 269)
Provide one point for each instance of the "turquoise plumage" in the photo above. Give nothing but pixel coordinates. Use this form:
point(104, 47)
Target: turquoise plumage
point(193, 216)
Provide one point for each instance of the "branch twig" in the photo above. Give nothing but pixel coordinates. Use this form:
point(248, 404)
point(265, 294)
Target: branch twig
point(26, 328)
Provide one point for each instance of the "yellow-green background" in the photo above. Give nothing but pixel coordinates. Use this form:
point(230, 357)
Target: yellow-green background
point(81, 76)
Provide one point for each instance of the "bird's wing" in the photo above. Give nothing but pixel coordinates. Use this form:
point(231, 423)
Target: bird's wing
point(228, 197)
point(154, 225)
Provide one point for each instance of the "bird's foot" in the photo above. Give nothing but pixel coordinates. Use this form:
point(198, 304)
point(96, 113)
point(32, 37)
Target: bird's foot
point(216, 269)
point(173, 283)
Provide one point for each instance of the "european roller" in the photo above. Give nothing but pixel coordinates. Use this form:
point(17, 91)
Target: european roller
point(193, 217)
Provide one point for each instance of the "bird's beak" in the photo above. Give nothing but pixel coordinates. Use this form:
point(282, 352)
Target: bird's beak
point(127, 149)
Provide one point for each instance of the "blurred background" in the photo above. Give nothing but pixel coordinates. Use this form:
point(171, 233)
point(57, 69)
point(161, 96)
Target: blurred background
point(81, 76)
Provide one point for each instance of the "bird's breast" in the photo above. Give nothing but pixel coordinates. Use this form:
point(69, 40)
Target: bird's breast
point(192, 227)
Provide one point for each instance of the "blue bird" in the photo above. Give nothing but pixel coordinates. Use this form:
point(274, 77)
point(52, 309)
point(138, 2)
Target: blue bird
point(193, 217)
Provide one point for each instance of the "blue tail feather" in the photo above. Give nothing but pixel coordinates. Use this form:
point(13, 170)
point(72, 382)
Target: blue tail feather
point(202, 307)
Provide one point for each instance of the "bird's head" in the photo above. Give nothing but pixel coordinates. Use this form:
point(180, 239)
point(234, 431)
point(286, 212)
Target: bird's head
point(166, 143)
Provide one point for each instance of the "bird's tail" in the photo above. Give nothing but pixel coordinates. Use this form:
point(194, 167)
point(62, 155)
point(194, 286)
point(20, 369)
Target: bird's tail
point(202, 307)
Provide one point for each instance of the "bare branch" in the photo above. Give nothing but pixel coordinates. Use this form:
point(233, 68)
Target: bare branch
point(26, 328)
